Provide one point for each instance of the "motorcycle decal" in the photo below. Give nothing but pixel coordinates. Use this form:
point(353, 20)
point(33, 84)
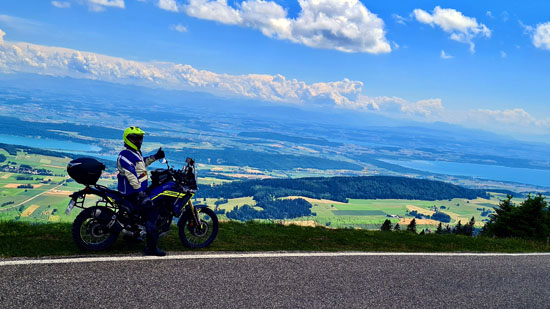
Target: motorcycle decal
point(170, 194)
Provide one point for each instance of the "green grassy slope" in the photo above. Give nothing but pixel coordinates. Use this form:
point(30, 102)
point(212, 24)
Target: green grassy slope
point(54, 239)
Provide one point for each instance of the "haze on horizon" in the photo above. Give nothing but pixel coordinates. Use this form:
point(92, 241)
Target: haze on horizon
point(476, 65)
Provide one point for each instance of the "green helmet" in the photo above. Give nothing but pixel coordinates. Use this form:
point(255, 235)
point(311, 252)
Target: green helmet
point(133, 137)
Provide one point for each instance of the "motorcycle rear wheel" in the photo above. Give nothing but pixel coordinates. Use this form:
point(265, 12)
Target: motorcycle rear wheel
point(90, 233)
point(195, 237)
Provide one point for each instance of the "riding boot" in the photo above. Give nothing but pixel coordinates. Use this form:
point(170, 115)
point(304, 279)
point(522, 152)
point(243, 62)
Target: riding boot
point(152, 245)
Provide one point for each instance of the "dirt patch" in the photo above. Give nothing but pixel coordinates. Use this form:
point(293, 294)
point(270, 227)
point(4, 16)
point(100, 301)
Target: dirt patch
point(253, 171)
point(15, 185)
point(12, 185)
point(309, 223)
point(59, 192)
point(6, 176)
point(420, 210)
point(406, 221)
point(315, 201)
point(27, 212)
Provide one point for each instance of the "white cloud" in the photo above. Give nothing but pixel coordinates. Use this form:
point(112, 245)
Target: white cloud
point(445, 55)
point(344, 25)
point(179, 28)
point(423, 110)
point(2, 33)
point(513, 118)
point(490, 14)
point(426, 108)
point(61, 4)
point(503, 54)
point(168, 5)
point(541, 37)
point(100, 5)
point(213, 10)
point(62, 62)
point(461, 28)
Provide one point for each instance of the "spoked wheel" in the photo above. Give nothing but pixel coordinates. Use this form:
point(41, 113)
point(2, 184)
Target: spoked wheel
point(195, 236)
point(90, 231)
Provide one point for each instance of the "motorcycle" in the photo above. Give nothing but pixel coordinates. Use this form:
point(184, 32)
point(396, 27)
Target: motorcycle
point(98, 227)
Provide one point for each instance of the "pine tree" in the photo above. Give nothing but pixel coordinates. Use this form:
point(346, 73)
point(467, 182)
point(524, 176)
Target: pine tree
point(458, 228)
point(397, 227)
point(386, 226)
point(412, 226)
point(530, 219)
point(439, 229)
point(468, 229)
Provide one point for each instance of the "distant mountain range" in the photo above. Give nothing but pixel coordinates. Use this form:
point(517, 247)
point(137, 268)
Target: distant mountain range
point(209, 123)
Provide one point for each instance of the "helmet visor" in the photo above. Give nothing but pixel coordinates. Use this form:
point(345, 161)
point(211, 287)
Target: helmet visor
point(136, 139)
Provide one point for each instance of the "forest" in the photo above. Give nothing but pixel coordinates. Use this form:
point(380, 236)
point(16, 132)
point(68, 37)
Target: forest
point(341, 188)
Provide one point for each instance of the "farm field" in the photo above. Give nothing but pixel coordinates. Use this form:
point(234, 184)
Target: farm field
point(48, 198)
point(371, 213)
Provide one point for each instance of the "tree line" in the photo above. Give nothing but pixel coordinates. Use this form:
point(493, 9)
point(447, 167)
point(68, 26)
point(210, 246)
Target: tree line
point(341, 188)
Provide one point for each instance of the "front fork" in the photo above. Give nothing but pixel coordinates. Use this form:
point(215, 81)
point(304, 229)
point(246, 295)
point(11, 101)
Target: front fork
point(196, 217)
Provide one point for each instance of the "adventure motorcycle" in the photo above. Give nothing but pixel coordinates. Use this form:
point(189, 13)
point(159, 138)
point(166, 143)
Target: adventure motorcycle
point(98, 227)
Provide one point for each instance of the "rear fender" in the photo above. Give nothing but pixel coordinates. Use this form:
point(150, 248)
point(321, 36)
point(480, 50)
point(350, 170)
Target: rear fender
point(80, 196)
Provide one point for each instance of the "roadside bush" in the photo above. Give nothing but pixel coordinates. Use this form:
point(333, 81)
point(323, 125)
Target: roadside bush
point(530, 219)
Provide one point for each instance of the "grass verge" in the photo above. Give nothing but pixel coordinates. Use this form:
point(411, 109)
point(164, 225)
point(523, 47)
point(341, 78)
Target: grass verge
point(19, 239)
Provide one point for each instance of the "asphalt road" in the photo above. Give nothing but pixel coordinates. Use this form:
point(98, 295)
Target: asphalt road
point(288, 282)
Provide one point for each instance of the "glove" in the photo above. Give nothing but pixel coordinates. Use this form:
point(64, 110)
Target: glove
point(160, 154)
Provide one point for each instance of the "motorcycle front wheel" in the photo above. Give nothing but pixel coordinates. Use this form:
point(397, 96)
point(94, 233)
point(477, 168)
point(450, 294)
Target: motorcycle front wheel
point(90, 231)
point(195, 236)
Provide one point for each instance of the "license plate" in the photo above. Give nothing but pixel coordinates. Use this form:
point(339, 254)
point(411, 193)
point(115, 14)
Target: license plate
point(70, 207)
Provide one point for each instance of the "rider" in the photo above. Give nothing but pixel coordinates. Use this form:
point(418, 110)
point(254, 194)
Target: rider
point(132, 183)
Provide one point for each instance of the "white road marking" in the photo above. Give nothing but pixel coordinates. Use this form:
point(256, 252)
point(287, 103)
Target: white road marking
point(246, 256)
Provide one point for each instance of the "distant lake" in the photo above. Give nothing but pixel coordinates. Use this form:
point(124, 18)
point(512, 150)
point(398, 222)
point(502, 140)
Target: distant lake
point(50, 144)
point(493, 172)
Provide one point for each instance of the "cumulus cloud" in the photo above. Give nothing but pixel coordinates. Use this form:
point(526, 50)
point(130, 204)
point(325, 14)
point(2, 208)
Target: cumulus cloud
point(444, 55)
point(503, 54)
point(2, 33)
point(423, 110)
point(61, 4)
point(217, 10)
point(168, 5)
point(510, 117)
point(541, 37)
point(461, 28)
point(344, 25)
point(30, 58)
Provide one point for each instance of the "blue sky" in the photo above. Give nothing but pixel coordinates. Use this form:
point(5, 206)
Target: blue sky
point(479, 64)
